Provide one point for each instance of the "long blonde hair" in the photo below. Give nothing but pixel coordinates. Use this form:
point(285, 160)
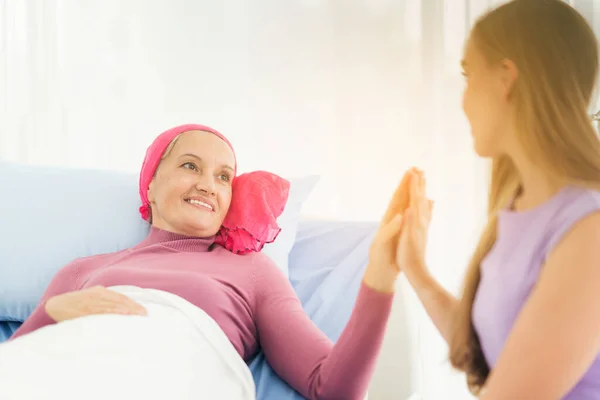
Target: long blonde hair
point(556, 54)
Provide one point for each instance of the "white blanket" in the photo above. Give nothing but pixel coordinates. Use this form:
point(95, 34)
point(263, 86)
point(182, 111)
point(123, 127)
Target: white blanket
point(176, 352)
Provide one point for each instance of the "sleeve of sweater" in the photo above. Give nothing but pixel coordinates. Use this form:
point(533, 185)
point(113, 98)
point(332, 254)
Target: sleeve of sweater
point(303, 356)
point(64, 281)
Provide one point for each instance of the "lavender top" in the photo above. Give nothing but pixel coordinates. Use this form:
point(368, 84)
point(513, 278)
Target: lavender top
point(511, 269)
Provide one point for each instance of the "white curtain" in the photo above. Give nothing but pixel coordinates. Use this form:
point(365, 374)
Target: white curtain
point(356, 91)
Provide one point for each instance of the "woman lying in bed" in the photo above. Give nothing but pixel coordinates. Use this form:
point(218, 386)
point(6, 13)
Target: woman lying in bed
point(186, 191)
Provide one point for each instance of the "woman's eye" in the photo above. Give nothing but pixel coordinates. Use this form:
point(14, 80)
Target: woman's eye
point(225, 177)
point(190, 166)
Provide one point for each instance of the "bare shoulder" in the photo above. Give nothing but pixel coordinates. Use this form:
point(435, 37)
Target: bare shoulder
point(586, 231)
point(580, 246)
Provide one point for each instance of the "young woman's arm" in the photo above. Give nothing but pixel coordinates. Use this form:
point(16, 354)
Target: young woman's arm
point(557, 334)
point(440, 305)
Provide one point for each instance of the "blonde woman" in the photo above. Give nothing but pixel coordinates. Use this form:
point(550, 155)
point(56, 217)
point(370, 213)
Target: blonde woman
point(527, 325)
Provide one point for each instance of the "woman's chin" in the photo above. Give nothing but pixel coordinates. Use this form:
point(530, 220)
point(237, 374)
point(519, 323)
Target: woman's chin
point(193, 225)
point(482, 151)
point(204, 228)
point(201, 231)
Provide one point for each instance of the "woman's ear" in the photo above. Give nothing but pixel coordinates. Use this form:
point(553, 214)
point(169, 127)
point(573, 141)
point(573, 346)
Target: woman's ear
point(509, 75)
point(151, 192)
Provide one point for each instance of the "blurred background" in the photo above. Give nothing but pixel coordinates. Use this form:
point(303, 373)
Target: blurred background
point(355, 91)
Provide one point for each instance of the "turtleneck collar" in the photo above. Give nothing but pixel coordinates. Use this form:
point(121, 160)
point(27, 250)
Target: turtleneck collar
point(177, 241)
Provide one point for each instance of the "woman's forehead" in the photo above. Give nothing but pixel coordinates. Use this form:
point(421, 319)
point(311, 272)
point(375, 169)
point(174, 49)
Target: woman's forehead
point(204, 145)
point(468, 52)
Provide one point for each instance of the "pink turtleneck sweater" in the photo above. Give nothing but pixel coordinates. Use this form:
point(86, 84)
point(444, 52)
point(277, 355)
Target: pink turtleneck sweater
point(253, 303)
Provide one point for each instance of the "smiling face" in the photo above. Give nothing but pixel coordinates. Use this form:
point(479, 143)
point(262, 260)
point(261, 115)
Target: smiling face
point(190, 193)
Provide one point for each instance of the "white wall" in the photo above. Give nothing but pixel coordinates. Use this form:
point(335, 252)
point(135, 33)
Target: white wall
point(338, 89)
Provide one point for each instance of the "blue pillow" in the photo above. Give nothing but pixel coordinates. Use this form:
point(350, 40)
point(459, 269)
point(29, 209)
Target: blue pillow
point(52, 215)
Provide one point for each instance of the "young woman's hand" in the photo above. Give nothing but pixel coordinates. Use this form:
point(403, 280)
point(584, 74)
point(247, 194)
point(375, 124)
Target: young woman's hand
point(383, 268)
point(95, 300)
point(413, 237)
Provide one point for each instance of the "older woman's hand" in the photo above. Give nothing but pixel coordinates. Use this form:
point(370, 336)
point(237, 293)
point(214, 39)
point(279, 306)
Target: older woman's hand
point(95, 300)
point(383, 269)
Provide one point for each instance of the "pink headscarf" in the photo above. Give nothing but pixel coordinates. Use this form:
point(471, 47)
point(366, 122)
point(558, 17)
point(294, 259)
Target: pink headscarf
point(156, 151)
point(258, 198)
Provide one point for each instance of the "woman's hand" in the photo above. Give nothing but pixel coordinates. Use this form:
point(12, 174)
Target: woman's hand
point(383, 269)
point(413, 238)
point(95, 300)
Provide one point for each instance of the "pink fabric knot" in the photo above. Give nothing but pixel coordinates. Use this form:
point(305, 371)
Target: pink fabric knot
point(258, 199)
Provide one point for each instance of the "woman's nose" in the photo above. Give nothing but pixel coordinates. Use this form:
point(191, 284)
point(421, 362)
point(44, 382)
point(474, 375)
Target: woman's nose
point(206, 185)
